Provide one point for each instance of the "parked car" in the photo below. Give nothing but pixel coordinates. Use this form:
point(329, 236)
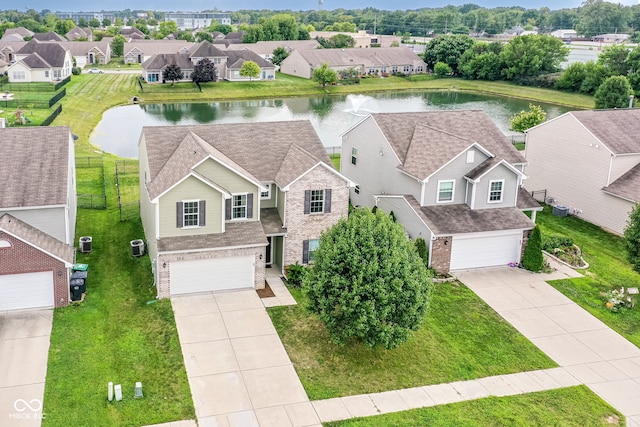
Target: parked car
point(95, 71)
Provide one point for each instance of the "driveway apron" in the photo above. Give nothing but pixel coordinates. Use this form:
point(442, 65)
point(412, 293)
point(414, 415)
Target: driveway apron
point(238, 369)
point(24, 349)
point(591, 351)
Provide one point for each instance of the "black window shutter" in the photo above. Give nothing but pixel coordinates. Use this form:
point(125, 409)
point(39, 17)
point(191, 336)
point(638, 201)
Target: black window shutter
point(327, 200)
point(307, 201)
point(250, 205)
point(227, 209)
point(305, 252)
point(202, 213)
point(179, 214)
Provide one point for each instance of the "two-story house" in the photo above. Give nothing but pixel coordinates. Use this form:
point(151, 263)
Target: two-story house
point(37, 216)
point(450, 177)
point(220, 203)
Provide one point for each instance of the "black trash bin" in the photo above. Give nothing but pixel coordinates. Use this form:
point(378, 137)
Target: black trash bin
point(76, 292)
point(79, 278)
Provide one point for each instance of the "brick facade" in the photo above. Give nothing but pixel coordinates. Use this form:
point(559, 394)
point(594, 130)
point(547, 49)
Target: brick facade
point(441, 254)
point(23, 258)
point(164, 277)
point(301, 226)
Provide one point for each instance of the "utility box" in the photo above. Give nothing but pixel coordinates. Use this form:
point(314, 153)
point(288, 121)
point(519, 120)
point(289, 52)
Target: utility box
point(137, 248)
point(85, 244)
point(560, 210)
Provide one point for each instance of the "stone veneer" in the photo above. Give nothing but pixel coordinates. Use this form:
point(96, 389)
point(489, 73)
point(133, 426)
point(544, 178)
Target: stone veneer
point(441, 254)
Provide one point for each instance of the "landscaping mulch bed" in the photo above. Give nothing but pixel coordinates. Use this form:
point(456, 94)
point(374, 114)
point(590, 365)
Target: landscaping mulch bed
point(266, 292)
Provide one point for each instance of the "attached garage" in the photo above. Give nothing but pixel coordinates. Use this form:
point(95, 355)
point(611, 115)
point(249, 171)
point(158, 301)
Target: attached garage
point(26, 291)
point(214, 274)
point(476, 250)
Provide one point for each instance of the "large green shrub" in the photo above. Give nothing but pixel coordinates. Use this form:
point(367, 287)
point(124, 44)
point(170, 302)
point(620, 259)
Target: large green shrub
point(553, 241)
point(421, 247)
point(532, 259)
point(632, 238)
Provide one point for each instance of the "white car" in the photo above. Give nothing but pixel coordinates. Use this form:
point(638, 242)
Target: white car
point(95, 71)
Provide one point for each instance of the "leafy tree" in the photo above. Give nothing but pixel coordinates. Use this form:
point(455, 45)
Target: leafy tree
point(82, 22)
point(421, 248)
point(632, 238)
point(367, 282)
point(325, 75)
point(203, 35)
point(532, 258)
point(614, 59)
point(279, 54)
point(185, 35)
point(142, 27)
point(441, 69)
point(204, 71)
point(486, 66)
point(527, 119)
point(447, 49)
point(172, 73)
point(613, 93)
point(595, 74)
point(600, 17)
point(152, 22)
point(337, 41)
point(532, 55)
point(250, 69)
point(117, 45)
point(106, 22)
point(166, 28)
point(221, 28)
point(63, 27)
point(572, 77)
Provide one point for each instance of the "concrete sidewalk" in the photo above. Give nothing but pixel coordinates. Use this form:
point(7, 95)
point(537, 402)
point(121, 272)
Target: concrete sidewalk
point(587, 348)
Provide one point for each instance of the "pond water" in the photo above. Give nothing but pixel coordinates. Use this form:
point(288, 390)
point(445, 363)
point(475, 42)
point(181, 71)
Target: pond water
point(119, 130)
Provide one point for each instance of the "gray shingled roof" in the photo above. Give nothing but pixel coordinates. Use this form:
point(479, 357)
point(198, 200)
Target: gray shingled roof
point(160, 61)
point(205, 49)
point(154, 47)
point(295, 163)
point(457, 219)
point(526, 201)
point(378, 57)
point(482, 168)
point(259, 148)
point(83, 48)
point(34, 166)
point(617, 129)
point(34, 61)
point(52, 53)
point(472, 125)
point(37, 238)
point(22, 31)
point(238, 57)
point(267, 47)
point(271, 221)
point(11, 38)
point(246, 233)
point(49, 36)
point(627, 186)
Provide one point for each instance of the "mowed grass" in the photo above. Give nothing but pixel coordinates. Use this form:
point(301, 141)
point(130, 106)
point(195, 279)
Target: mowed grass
point(115, 335)
point(608, 269)
point(574, 406)
point(461, 339)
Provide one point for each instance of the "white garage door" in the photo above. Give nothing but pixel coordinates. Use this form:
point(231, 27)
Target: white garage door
point(28, 290)
point(485, 250)
point(217, 274)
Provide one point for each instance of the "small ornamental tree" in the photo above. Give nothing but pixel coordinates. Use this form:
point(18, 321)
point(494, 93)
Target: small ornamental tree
point(279, 54)
point(250, 69)
point(172, 73)
point(441, 69)
point(421, 248)
point(117, 45)
point(527, 119)
point(632, 238)
point(204, 71)
point(532, 258)
point(325, 75)
point(613, 93)
point(367, 282)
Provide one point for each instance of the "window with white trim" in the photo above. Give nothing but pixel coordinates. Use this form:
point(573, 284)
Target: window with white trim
point(496, 189)
point(317, 201)
point(354, 155)
point(471, 154)
point(445, 190)
point(239, 207)
point(190, 214)
point(266, 194)
point(19, 75)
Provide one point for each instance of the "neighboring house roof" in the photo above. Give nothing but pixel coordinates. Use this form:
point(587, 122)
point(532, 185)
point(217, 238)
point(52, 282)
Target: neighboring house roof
point(34, 167)
point(235, 37)
point(526, 201)
point(52, 53)
point(21, 31)
point(487, 166)
point(295, 163)
point(11, 37)
point(617, 129)
point(266, 48)
point(378, 57)
point(242, 143)
point(416, 138)
point(77, 33)
point(82, 48)
point(249, 233)
point(49, 36)
point(35, 61)
point(238, 57)
point(205, 49)
point(154, 47)
point(271, 221)
point(31, 235)
point(627, 186)
point(132, 31)
point(159, 62)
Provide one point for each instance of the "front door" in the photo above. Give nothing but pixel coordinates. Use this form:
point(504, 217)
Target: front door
point(269, 250)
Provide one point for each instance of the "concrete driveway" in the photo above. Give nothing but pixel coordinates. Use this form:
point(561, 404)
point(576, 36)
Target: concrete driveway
point(238, 370)
point(24, 349)
point(587, 348)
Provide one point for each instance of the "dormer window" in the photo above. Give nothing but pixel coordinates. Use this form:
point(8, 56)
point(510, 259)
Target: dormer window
point(471, 154)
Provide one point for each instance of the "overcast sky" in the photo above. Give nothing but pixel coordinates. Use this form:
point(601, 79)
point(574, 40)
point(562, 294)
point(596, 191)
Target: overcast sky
point(229, 5)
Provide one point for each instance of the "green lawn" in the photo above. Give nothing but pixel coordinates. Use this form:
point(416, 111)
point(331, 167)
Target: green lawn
point(608, 269)
point(574, 406)
point(462, 338)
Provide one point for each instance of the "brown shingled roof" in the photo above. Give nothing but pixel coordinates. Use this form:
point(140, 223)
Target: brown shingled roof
point(460, 218)
point(247, 233)
point(37, 238)
point(52, 53)
point(617, 129)
point(34, 166)
point(627, 186)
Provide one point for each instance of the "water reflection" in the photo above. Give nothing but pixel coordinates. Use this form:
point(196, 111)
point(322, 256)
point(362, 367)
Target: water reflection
point(119, 130)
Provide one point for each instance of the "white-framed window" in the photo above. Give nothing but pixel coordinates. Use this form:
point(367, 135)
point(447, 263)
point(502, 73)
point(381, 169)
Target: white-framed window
point(46, 73)
point(354, 155)
point(496, 189)
point(471, 154)
point(314, 244)
point(317, 201)
point(446, 190)
point(19, 75)
point(266, 194)
point(356, 189)
point(239, 206)
point(190, 213)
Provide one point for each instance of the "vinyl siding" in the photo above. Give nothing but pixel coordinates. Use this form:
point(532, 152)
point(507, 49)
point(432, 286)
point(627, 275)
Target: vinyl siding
point(406, 216)
point(281, 201)
point(49, 220)
point(147, 209)
point(296, 65)
point(456, 169)
point(72, 193)
point(622, 164)
point(190, 189)
point(374, 173)
point(270, 202)
point(509, 189)
point(567, 161)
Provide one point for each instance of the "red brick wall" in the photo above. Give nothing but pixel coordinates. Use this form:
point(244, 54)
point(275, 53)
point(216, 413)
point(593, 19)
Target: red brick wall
point(441, 254)
point(23, 258)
